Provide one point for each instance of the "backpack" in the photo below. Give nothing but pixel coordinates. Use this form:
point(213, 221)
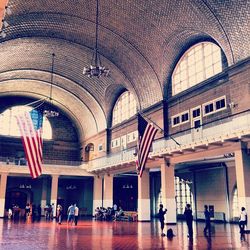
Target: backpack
point(170, 233)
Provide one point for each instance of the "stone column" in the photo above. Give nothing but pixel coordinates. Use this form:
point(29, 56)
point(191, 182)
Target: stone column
point(242, 167)
point(97, 199)
point(168, 191)
point(44, 194)
point(144, 197)
point(108, 190)
point(3, 185)
point(54, 191)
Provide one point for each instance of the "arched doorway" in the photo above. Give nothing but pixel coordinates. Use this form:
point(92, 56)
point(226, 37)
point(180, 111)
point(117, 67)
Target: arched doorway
point(89, 152)
point(18, 198)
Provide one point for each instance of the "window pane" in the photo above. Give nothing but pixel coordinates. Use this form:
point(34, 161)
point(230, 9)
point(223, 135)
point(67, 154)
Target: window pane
point(8, 123)
point(199, 63)
point(125, 108)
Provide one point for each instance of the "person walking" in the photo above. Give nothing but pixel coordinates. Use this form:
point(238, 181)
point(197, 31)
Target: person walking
point(161, 215)
point(243, 220)
point(76, 214)
point(71, 214)
point(207, 221)
point(189, 219)
point(59, 214)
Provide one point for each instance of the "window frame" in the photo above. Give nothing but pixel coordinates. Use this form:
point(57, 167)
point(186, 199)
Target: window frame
point(180, 118)
point(213, 102)
point(195, 64)
point(125, 107)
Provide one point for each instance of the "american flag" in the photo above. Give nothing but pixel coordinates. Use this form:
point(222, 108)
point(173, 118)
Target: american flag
point(146, 136)
point(30, 126)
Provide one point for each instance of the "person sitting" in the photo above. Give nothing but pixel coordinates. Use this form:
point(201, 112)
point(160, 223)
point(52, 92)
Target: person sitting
point(119, 213)
point(98, 213)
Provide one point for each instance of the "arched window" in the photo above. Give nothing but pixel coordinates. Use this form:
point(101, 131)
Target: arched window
point(8, 123)
point(183, 194)
point(125, 108)
point(200, 62)
point(235, 205)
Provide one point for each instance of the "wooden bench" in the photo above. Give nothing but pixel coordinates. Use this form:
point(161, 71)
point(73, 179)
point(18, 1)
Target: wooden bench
point(128, 216)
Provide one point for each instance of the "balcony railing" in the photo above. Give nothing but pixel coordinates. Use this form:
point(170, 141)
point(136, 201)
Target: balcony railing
point(23, 162)
point(231, 127)
point(220, 130)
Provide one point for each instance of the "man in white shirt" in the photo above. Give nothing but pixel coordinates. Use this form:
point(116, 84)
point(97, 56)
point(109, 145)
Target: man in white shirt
point(76, 214)
point(243, 220)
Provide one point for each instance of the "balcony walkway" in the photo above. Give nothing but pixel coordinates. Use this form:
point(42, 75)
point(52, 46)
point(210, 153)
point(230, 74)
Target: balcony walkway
point(98, 235)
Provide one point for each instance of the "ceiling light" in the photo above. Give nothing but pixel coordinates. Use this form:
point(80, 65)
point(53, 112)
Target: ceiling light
point(8, 10)
point(96, 69)
point(5, 24)
point(2, 34)
point(51, 113)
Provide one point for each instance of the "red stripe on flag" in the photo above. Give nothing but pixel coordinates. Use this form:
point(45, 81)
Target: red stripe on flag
point(32, 143)
point(145, 139)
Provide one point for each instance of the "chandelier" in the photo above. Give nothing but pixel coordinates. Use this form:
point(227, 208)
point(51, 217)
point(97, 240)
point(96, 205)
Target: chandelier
point(4, 24)
point(51, 113)
point(96, 69)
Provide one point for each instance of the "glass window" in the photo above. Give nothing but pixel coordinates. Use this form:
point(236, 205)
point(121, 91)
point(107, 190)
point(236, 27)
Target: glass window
point(235, 205)
point(209, 108)
point(9, 127)
point(200, 62)
point(196, 112)
point(183, 194)
point(124, 108)
point(220, 104)
point(176, 120)
point(184, 117)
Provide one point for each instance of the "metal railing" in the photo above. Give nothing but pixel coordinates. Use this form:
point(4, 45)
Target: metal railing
point(23, 162)
point(219, 130)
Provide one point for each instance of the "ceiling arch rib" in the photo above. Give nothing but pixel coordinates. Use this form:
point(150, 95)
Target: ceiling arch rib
point(72, 106)
point(116, 49)
point(67, 85)
point(129, 27)
point(70, 59)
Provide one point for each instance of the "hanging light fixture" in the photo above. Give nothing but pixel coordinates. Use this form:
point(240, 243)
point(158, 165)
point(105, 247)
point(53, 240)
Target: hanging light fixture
point(4, 24)
point(96, 69)
point(51, 113)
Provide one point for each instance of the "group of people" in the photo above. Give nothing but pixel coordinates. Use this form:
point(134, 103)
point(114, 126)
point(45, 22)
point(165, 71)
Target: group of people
point(30, 211)
point(48, 212)
point(207, 229)
point(110, 213)
point(73, 214)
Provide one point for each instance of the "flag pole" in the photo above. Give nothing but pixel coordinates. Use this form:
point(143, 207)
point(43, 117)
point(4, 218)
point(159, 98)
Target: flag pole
point(162, 130)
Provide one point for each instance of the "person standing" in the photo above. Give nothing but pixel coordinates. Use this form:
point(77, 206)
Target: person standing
point(76, 214)
point(189, 219)
point(59, 214)
point(161, 215)
point(243, 220)
point(207, 221)
point(71, 214)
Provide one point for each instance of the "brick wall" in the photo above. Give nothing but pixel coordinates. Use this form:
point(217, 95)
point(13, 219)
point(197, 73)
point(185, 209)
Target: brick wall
point(63, 146)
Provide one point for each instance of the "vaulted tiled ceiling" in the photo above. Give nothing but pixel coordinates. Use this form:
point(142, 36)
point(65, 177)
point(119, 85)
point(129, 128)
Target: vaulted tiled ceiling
point(139, 40)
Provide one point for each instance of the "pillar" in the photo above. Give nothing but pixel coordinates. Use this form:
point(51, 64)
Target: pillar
point(144, 197)
point(54, 191)
point(97, 199)
point(168, 191)
point(108, 190)
point(242, 167)
point(44, 194)
point(3, 184)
